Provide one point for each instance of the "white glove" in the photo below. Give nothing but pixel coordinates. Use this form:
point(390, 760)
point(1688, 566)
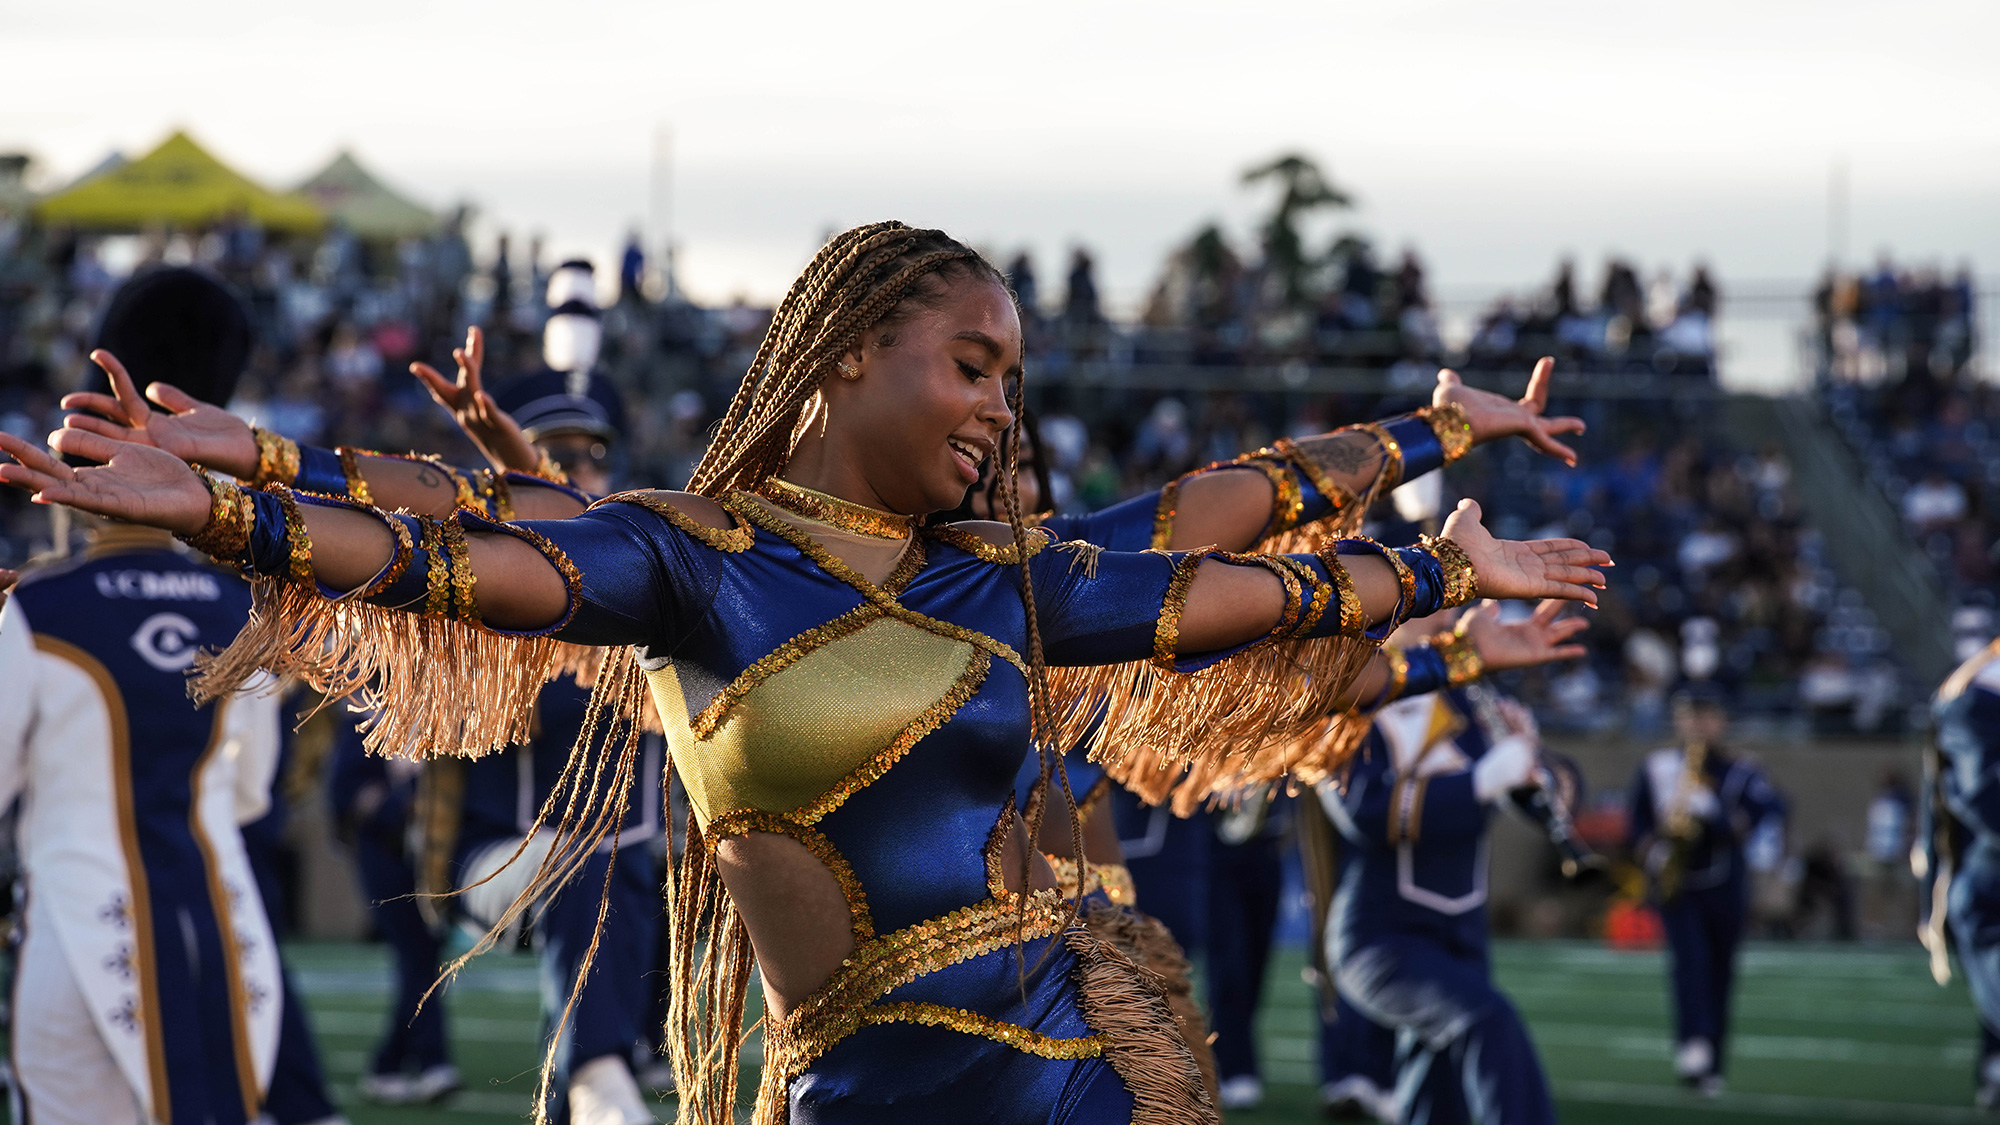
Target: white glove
point(1508, 764)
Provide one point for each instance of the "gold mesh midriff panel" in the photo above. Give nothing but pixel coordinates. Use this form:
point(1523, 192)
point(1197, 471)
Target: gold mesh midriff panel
point(802, 730)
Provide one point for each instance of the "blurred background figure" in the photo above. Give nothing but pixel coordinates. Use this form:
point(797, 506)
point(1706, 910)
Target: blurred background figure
point(1955, 860)
point(1693, 809)
point(148, 984)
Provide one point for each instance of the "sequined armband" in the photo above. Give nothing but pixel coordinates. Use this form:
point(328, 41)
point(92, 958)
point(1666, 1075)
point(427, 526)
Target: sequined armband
point(1461, 659)
point(1452, 427)
point(350, 471)
point(231, 515)
point(1461, 583)
point(1425, 671)
point(277, 458)
point(547, 469)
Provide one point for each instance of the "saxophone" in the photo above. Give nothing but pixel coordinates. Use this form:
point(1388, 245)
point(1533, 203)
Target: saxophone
point(1682, 829)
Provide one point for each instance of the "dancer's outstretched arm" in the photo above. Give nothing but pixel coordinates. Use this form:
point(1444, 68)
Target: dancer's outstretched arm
point(207, 435)
point(1237, 504)
point(1227, 604)
point(519, 589)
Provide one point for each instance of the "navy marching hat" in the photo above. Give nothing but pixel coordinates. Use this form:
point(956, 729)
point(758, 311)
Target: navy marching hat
point(180, 326)
point(548, 403)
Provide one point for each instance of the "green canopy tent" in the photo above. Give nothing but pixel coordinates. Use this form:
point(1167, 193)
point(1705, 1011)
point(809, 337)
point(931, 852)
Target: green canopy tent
point(176, 184)
point(352, 195)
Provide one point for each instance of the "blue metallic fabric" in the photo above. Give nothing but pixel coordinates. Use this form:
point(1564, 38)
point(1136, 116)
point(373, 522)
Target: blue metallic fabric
point(1422, 451)
point(320, 471)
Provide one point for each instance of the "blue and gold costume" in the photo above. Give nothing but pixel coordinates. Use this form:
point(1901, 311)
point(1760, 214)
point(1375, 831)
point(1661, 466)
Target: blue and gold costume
point(827, 673)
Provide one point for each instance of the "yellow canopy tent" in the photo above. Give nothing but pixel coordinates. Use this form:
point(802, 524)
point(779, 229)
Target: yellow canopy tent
point(350, 193)
point(176, 184)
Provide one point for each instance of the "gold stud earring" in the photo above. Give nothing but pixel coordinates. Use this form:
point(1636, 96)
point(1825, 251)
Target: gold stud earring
point(848, 371)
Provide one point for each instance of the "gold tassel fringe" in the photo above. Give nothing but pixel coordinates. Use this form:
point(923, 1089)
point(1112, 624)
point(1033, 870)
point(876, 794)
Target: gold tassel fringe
point(421, 674)
point(1128, 1004)
point(1270, 713)
point(1150, 945)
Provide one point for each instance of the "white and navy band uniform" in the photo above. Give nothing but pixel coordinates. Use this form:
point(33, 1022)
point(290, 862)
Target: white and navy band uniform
point(1961, 824)
point(1407, 935)
point(147, 986)
point(1704, 921)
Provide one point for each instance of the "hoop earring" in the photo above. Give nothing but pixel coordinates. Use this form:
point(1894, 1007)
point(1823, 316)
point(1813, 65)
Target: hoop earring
point(848, 371)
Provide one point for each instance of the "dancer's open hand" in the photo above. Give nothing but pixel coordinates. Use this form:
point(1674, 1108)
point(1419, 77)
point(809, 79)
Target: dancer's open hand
point(1540, 638)
point(185, 426)
point(1538, 568)
point(1496, 416)
point(492, 429)
point(136, 483)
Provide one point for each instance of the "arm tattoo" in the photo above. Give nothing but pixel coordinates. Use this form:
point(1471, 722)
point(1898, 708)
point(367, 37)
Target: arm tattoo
point(1343, 452)
point(429, 478)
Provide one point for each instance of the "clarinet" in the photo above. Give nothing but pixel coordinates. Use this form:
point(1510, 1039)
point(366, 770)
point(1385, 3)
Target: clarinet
point(1543, 803)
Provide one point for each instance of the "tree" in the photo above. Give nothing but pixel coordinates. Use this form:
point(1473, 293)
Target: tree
point(1303, 188)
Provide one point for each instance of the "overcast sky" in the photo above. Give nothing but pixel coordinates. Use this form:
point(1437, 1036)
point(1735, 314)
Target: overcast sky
point(1492, 136)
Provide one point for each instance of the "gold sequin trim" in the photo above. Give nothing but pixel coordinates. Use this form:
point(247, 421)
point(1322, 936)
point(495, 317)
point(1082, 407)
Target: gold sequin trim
point(1116, 879)
point(277, 458)
point(298, 541)
point(465, 606)
point(1287, 499)
point(1167, 634)
point(1336, 495)
point(731, 540)
point(837, 1009)
point(558, 558)
point(995, 852)
point(971, 544)
point(500, 494)
point(1399, 677)
point(843, 514)
point(1392, 454)
point(741, 822)
point(547, 469)
point(231, 516)
point(1462, 664)
point(437, 568)
point(747, 510)
point(1452, 427)
point(1164, 513)
point(399, 558)
point(986, 1027)
point(1406, 580)
point(350, 467)
point(935, 716)
point(1352, 622)
point(1461, 583)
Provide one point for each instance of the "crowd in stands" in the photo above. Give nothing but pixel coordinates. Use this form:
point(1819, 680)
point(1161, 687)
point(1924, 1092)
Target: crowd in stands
point(1213, 306)
point(1895, 351)
point(1717, 578)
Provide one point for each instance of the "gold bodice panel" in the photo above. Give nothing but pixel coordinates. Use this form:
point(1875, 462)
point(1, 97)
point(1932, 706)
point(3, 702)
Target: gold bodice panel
point(807, 726)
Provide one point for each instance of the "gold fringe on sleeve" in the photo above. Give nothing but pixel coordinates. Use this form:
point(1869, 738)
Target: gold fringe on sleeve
point(1270, 713)
point(418, 672)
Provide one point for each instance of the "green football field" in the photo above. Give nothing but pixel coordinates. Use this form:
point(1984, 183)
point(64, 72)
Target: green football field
point(1822, 1034)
